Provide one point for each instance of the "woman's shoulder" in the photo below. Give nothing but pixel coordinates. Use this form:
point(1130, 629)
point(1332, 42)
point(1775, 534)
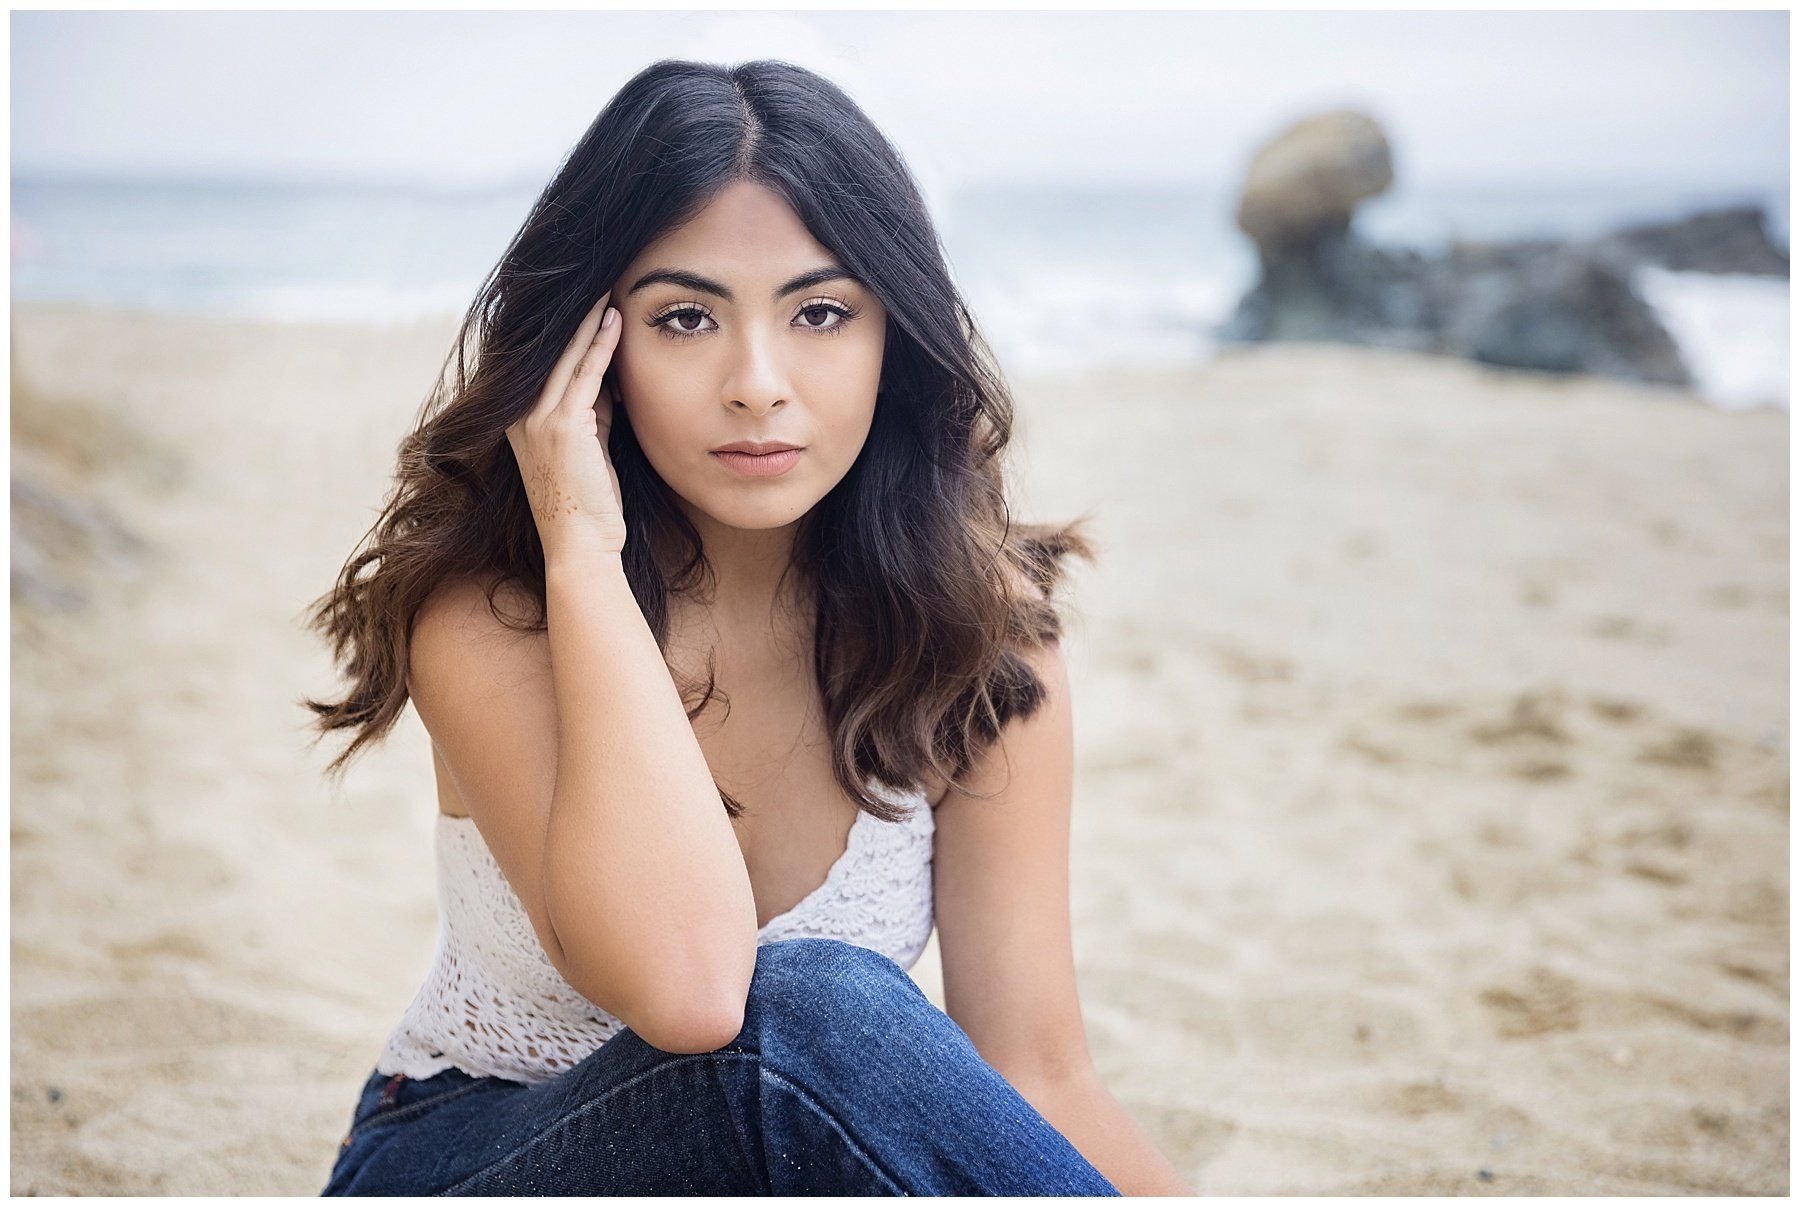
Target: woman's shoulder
point(467, 604)
point(458, 637)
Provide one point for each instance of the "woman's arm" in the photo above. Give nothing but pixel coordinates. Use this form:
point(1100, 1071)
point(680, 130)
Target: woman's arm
point(1001, 871)
point(641, 866)
point(574, 756)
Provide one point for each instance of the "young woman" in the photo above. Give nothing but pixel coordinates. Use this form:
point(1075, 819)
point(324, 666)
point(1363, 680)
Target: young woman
point(636, 990)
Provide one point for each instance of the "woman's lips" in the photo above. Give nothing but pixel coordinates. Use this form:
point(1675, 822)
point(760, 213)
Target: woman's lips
point(768, 465)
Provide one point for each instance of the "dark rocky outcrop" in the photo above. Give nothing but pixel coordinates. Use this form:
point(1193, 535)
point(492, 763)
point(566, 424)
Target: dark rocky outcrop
point(1731, 239)
point(1552, 305)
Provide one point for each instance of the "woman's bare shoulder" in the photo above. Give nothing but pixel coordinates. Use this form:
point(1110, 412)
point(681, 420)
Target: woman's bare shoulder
point(457, 642)
point(461, 604)
point(482, 688)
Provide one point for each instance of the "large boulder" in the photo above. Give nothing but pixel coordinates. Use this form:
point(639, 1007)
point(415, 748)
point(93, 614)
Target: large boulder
point(1317, 281)
point(1304, 185)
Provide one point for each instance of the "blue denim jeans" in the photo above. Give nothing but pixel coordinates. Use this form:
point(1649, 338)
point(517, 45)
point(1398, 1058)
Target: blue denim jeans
point(845, 1079)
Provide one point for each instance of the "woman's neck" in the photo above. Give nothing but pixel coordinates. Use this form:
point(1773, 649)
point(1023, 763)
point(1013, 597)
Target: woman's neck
point(748, 588)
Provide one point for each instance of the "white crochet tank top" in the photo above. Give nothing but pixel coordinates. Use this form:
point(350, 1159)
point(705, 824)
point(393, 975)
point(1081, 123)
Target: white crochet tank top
point(493, 1005)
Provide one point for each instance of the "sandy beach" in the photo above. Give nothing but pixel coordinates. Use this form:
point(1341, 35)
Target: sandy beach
point(1431, 828)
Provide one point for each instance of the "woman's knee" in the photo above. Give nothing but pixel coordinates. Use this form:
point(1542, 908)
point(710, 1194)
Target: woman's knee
point(825, 1002)
point(846, 1043)
point(825, 976)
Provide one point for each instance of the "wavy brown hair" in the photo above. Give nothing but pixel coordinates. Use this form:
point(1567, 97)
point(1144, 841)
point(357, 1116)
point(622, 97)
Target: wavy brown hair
point(927, 591)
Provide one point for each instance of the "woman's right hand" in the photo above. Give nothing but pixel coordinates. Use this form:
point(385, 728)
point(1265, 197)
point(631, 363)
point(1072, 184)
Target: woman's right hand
point(560, 444)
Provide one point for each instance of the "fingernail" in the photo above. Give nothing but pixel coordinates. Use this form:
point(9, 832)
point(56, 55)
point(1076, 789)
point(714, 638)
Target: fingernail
point(609, 318)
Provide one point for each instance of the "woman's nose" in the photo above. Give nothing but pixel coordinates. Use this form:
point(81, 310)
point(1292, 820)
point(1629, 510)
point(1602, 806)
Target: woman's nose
point(758, 381)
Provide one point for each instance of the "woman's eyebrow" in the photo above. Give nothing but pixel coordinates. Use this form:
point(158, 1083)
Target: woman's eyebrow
point(700, 284)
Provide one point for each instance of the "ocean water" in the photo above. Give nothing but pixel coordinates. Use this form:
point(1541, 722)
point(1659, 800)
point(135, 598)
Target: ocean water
point(1058, 277)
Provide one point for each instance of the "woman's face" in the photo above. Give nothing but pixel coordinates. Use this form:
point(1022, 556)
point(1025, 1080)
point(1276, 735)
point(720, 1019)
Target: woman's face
point(732, 349)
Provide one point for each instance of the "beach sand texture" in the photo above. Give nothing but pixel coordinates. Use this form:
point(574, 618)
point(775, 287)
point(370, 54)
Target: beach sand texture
point(1431, 828)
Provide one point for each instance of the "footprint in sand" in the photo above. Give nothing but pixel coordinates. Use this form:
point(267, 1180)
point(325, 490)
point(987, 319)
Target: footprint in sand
point(1686, 748)
point(1426, 710)
point(1614, 709)
point(1537, 1002)
point(1751, 1026)
point(1415, 1099)
point(1657, 872)
point(1747, 968)
point(1250, 668)
point(1531, 729)
point(1648, 1123)
point(1540, 770)
point(1535, 716)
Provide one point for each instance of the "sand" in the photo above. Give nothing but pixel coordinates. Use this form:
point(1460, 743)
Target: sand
point(1431, 815)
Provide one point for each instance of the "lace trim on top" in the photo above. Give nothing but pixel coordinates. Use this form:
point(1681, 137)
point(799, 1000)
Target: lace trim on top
point(493, 1004)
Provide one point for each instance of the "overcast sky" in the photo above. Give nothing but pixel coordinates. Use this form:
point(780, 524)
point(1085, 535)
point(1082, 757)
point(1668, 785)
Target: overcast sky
point(1682, 96)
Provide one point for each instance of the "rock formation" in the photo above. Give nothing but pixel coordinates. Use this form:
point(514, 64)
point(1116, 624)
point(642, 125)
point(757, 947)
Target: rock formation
point(1553, 305)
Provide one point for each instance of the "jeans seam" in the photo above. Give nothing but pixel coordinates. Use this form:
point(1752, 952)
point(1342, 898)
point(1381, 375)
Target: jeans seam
point(855, 1146)
point(590, 1105)
point(752, 1161)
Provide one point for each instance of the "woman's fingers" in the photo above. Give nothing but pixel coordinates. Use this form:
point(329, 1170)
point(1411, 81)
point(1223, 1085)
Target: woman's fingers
point(566, 364)
point(584, 383)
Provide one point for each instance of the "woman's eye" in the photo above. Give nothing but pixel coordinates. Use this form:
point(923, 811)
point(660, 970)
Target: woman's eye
point(818, 317)
point(682, 323)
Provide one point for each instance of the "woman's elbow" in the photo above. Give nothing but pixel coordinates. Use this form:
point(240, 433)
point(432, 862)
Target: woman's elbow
point(703, 1023)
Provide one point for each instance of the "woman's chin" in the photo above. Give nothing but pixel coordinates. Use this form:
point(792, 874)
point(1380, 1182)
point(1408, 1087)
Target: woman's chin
point(757, 515)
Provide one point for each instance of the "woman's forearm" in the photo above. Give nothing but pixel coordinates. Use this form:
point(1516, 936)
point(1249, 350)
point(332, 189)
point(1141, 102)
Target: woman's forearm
point(644, 880)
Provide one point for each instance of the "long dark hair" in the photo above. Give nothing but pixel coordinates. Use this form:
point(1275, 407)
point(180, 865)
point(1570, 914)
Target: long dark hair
point(927, 590)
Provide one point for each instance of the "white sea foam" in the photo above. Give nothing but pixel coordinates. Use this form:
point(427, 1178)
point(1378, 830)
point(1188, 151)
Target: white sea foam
point(1731, 330)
